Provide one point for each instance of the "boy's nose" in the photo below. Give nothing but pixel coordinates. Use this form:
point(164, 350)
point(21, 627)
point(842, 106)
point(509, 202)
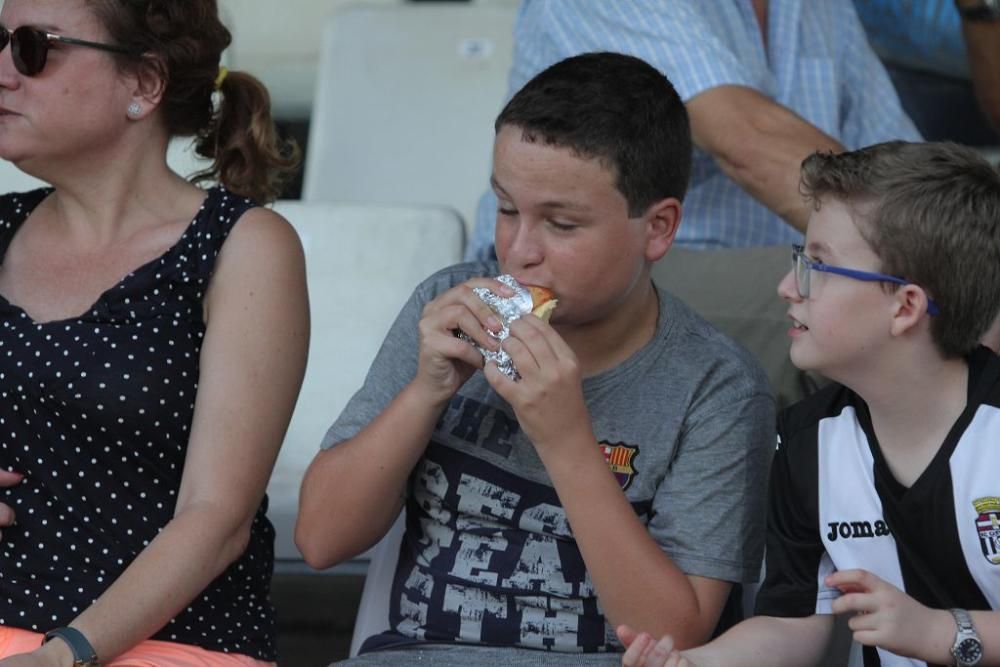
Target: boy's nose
point(525, 248)
point(787, 289)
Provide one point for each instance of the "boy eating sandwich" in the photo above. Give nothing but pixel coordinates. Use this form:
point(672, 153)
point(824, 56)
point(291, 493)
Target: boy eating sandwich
point(621, 478)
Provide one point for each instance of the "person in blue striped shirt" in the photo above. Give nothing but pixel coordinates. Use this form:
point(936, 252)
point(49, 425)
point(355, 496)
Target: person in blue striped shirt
point(766, 82)
point(943, 57)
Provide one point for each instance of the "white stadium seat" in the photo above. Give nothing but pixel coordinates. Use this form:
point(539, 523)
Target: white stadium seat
point(373, 609)
point(405, 103)
point(362, 263)
point(279, 44)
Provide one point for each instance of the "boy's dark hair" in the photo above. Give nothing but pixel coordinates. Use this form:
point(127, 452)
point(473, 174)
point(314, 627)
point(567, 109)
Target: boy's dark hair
point(931, 212)
point(617, 109)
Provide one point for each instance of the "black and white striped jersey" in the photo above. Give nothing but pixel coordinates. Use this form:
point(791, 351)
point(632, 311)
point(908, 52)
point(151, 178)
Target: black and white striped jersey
point(834, 505)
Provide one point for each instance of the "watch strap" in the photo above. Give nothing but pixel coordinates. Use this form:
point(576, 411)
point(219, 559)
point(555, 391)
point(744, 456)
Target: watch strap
point(84, 654)
point(966, 631)
point(963, 620)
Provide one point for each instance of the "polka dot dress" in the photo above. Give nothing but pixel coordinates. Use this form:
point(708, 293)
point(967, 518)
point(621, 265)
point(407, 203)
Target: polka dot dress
point(95, 411)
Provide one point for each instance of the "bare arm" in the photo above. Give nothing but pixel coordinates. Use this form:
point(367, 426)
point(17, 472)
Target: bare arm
point(639, 585)
point(758, 143)
point(365, 476)
point(252, 363)
point(982, 47)
point(365, 479)
point(761, 641)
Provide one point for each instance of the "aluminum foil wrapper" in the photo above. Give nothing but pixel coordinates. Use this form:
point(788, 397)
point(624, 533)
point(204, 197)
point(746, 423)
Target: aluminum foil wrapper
point(507, 310)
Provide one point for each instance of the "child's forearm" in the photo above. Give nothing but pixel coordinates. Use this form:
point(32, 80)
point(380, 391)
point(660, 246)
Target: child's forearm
point(767, 641)
point(639, 586)
point(365, 478)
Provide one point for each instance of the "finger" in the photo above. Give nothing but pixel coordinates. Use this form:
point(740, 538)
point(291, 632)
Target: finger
point(498, 288)
point(458, 349)
point(552, 354)
point(10, 478)
point(852, 588)
point(633, 656)
point(542, 342)
point(437, 343)
point(462, 297)
point(444, 321)
point(856, 579)
point(863, 622)
point(501, 384)
point(648, 657)
point(859, 603)
point(7, 516)
point(560, 348)
point(493, 285)
point(626, 635)
point(539, 337)
point(663, 653)
point(523, 357)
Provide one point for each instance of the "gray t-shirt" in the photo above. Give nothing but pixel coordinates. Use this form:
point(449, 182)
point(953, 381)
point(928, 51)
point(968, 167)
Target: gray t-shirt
point(687, 426)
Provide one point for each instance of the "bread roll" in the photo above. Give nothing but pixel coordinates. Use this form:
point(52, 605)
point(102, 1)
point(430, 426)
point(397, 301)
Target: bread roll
point(543, 302)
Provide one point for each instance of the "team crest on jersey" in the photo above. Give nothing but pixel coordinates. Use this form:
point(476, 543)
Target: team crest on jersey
point(619, 457)
point(988, 525)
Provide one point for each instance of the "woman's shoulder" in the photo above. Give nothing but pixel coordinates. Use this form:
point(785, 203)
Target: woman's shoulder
point(226, 220)
point(265, 226)
point(263, 241)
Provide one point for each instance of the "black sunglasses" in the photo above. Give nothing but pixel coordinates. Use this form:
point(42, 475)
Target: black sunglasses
point(30, 47)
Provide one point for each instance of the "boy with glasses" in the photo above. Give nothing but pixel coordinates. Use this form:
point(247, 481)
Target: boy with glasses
point(885, 492)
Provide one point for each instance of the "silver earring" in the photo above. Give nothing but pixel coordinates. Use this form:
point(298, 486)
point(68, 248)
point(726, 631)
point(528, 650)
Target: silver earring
point(134, 110)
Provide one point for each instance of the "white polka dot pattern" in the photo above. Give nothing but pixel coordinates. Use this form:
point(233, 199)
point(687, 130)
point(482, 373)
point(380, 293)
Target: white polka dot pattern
point(95, 412)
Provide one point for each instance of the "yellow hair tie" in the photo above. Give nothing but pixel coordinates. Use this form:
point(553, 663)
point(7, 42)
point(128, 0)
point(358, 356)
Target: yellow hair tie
point(221, 77)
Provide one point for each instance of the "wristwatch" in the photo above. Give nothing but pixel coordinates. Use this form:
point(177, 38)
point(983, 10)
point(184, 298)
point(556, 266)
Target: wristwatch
point(968, 648)
point(979, 10)
point(84, 654)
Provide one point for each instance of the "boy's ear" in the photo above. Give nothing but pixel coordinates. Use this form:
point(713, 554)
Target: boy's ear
point(662, 219)
point(909, 309)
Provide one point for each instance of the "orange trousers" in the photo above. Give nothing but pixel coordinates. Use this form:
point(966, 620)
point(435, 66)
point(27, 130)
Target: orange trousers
point(150, 653)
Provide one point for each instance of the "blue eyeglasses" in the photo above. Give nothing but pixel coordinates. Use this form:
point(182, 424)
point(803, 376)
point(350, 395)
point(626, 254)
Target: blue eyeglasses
point(803, 265)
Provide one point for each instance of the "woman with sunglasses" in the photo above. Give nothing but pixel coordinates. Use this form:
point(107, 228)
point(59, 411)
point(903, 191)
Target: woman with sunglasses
point(152, 340)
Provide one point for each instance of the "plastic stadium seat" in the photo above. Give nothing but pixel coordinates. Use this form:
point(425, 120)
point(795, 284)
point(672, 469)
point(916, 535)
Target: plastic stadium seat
point(362, 263)
point(373, 610)
point(405, 103)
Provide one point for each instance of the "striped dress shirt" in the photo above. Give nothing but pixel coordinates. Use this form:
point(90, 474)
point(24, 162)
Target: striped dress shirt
point(817, 62)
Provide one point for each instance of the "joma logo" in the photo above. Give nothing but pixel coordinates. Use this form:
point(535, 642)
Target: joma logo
point(855, 529)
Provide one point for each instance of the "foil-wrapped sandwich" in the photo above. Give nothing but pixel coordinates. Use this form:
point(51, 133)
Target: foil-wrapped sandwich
point(539, 301)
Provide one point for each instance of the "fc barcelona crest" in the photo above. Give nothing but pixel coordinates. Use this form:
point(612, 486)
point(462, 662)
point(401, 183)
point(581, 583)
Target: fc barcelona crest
point(619, 457)
point(988, 525)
